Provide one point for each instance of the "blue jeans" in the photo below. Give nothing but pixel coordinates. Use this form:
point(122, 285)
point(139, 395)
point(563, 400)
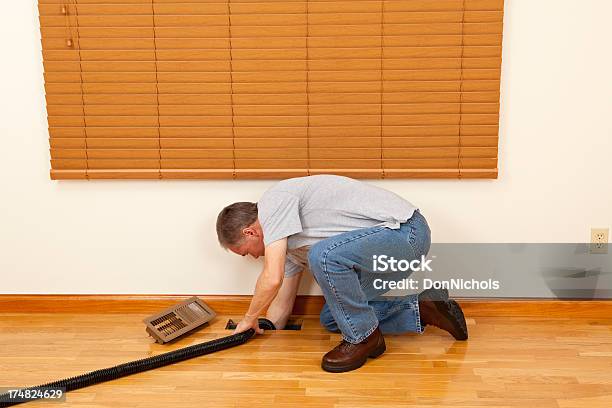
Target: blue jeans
point(342, 265)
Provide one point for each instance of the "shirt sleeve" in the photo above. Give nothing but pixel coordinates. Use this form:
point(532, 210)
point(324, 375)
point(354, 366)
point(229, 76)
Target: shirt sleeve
point(279, 216)
point(291, 269)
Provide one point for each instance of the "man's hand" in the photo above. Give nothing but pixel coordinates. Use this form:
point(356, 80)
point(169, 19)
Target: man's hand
point(248, 323)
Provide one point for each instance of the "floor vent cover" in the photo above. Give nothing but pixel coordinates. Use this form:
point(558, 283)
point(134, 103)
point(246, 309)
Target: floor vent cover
point(178, 320)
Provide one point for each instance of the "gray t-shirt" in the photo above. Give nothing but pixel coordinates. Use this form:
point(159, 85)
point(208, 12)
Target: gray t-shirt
point(306, 210)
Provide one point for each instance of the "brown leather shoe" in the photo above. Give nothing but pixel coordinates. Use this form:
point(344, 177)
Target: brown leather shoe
point(435, 295)
point(347, 356)
point(446, 315)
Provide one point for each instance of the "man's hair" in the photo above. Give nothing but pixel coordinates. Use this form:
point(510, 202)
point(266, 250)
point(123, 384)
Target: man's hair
point(232, 220)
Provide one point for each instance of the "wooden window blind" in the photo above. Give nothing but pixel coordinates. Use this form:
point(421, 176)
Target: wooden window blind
point(272, 89)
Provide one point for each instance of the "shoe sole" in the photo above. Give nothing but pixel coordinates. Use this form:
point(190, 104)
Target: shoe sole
point(341, 369)
point(452, 310)
point(434, 295)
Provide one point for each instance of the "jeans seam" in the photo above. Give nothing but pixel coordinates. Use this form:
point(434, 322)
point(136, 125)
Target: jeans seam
point(333, 289)
point(366, 335)
point(417, 311)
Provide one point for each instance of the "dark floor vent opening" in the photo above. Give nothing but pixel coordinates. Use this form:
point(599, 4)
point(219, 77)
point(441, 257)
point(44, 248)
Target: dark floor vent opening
point(292, 324)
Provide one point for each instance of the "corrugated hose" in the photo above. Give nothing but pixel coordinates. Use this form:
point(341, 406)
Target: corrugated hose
point(145, 364)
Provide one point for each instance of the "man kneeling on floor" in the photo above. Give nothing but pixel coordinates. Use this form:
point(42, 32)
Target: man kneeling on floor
point(334, 226)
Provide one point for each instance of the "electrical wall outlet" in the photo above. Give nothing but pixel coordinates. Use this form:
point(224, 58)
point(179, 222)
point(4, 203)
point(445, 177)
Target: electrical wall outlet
point(599, 240)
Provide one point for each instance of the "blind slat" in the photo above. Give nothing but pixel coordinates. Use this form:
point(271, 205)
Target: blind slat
point(475, 146)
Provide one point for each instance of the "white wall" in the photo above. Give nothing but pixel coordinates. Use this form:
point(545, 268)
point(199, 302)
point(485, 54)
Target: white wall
point(158, 237)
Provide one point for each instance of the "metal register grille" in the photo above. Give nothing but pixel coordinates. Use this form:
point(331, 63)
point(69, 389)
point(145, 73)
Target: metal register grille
point(178, 320)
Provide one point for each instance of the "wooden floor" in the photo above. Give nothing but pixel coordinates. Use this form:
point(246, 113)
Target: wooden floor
point(508, 362)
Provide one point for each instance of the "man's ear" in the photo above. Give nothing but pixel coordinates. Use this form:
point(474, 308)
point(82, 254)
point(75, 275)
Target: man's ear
point(249, 232)
point(252, 230)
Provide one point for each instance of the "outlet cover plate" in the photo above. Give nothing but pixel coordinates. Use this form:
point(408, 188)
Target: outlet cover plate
point(599, 240)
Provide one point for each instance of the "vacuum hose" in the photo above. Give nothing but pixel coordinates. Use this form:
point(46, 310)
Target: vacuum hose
point(133, 367)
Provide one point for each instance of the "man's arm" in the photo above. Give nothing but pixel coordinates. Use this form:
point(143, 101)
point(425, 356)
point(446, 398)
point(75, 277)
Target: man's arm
point(268, 284)
point(282, 305)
